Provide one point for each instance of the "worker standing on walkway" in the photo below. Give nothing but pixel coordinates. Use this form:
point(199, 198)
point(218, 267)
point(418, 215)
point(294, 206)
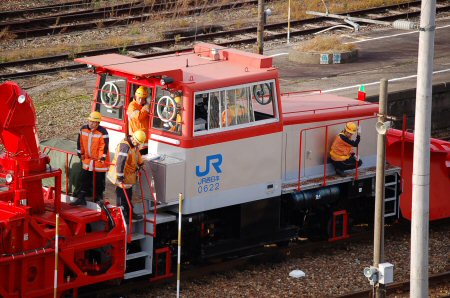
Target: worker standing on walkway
point(123, 172)
point(92, 149)
point(342, 156)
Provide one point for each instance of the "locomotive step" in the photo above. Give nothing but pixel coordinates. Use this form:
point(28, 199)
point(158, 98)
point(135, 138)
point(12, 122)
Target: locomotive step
point(137, 236)
point(136, 255)
point(134, 274)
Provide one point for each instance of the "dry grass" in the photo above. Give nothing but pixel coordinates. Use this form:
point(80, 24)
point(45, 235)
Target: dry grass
point(6, 35)
point(233, 19)
point(325, 44)
point(299, 7)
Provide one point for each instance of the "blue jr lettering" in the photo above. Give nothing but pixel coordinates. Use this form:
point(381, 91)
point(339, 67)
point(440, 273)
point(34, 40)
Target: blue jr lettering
point(215, 161)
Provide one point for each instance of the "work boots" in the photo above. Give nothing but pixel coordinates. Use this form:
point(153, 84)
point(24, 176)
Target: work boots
point(80, 200)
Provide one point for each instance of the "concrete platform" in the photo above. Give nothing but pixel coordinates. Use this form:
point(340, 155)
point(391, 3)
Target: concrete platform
point(383, 53)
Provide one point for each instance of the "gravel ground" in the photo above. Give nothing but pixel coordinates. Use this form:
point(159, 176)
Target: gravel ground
point(329, 272)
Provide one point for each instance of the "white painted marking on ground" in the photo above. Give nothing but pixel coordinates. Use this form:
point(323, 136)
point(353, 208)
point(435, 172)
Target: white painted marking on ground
point(376, 83)
point(394, 35)
point(279, 54)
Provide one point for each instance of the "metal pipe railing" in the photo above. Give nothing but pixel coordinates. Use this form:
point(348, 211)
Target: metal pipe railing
point(130, 213)
point(347, 107)
point(326, 150)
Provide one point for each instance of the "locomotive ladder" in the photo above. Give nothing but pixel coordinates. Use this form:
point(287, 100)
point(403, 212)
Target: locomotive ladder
point(140, 247)
point(390, 196)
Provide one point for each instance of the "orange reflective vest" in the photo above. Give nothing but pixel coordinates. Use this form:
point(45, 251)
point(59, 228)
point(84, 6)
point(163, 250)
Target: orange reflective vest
point(138, 117)
point(127, 160)
point(229, 115)
point(340, 150)
point(93, 145)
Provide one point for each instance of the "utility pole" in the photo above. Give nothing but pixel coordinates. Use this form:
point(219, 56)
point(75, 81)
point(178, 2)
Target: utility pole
point(421, 163)
point(378, 238)
point(260, 31)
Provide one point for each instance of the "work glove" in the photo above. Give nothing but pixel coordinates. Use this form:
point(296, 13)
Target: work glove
point(102, 159)
point(79, 155)
point(146, 108)
point(120, 179)
point(359, 130)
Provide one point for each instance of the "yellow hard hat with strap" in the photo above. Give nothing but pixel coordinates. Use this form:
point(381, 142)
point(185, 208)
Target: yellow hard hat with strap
point(95, 116)
point(141, 92)
point(351, 127)
point(140, 136)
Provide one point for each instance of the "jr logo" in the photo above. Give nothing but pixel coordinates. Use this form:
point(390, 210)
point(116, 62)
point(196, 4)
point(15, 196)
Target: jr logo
point(214, 160)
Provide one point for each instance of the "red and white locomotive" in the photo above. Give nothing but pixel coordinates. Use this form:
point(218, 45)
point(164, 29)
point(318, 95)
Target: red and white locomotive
point(250, 161)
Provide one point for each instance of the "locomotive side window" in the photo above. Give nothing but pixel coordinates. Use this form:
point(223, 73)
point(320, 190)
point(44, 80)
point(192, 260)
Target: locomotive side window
point(234, 107)
point(167, 111)
point(111, 96)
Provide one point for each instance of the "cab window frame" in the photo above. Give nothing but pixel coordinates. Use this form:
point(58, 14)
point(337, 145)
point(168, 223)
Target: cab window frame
point(220, 95)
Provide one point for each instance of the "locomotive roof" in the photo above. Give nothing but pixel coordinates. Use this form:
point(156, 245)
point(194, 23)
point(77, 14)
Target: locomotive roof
point(313, 107)
point(199, 66)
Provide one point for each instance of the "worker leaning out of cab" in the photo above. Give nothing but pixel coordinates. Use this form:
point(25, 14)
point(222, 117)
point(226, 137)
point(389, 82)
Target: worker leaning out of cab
point(342, 156)
point(138, 113)
point(123, 172)
point(92, 149)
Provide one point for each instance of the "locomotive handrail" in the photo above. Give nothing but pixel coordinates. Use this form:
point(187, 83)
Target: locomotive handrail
point(303, 91)
point(67, 162)
point(332, 108)
point(326, 150)
point(154, 204)
point(130, 213)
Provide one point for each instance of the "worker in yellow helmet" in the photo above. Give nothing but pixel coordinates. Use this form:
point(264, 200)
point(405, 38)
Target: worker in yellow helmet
point(342, 156)
point(175, 125)
point(138, 111)
point(92, 149)
point(123, 172)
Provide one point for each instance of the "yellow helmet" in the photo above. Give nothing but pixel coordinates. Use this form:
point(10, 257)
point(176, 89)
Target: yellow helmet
point(95, 116)
point(177, 99)
point(139, 136)
point(141, 92)
point(351, 127)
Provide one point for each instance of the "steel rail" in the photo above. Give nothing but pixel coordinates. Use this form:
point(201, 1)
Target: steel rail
point(203, 37)
point(46, 8)
point(403, 286)
point(45, 21)
point(141, 11)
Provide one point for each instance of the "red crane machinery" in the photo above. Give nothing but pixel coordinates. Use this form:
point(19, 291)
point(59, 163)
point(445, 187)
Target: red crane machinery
point(91, 242)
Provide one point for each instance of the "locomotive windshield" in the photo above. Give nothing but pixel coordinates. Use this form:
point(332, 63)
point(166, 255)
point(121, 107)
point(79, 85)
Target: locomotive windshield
point(111, 96)
point(235, 107)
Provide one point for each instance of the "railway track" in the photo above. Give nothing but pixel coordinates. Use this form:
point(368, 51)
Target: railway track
point(402, 287)
point(108, 16)
point(225, 38)
point(53, 8)
point(262, 256)
point(270, 257)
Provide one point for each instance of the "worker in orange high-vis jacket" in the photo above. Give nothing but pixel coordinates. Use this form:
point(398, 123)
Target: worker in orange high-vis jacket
point(341, 153)
point(92, 149)
point(123, 172)
point(138, 113)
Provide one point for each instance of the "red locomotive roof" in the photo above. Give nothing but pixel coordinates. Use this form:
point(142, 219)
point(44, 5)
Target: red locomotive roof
point(302, 108)
point(188, 67)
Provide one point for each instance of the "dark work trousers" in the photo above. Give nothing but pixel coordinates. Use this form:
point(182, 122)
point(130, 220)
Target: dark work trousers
point(122, 200)
point(347, 164)
point(87, 183)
